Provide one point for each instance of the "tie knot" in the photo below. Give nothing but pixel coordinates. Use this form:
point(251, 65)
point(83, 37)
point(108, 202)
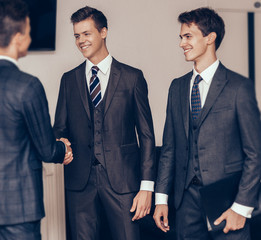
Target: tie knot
point(95, 70)
point(197, 80)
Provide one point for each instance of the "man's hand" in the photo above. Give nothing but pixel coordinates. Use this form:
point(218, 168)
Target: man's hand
point(234, 221)
point(161, 217)
point(142, 204)
point(69, 155)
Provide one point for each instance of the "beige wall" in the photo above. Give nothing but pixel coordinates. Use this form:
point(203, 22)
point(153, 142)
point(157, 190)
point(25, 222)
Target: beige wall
point(144, 34)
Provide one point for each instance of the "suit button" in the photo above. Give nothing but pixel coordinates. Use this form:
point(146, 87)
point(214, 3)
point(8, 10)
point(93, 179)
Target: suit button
point(184, 168)
point(194, 127)
point(196, 156)
point(196, 169)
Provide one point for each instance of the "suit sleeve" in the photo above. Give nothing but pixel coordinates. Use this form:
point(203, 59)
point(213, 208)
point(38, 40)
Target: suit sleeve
point(60, 124)
point(37, 118)
point(167, 158)
point(145, 130)
point(250, 130)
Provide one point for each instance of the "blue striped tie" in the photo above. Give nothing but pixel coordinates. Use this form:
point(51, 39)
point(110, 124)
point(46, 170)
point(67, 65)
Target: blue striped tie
point(95, 87)
point(195, 98)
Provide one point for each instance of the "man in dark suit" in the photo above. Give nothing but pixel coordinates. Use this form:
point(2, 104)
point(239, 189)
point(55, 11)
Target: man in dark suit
point(26, 134)
point(102, 108)
point(212, 131)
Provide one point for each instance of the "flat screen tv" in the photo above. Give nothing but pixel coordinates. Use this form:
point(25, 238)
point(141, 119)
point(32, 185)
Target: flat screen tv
point(43, 24)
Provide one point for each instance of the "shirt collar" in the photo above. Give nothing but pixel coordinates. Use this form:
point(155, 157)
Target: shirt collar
point(208, 73)
point(2, 57)
point(103, 66)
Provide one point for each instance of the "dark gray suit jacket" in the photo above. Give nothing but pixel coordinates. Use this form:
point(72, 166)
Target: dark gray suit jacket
point(26, 139)
point(126, 112)
point(229, 137)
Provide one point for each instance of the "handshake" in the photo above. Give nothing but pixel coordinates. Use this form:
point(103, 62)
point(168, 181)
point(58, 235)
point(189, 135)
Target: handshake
point(68, 155)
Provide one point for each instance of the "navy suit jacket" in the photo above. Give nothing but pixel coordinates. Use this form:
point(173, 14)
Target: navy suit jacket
point(127, 116)
point(26, 139)
point(229, 138)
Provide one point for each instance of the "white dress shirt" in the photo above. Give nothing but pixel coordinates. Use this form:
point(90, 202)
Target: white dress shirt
point(207, 76)
point(204, 85)
point(103, 75)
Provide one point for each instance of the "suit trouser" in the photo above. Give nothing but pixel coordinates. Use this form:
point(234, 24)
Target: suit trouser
point(84, 209)
point(23, 231)
point(191, 221)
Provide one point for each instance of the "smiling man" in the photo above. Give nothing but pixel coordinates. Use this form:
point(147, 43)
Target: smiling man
point(212, 131)
point(102, 108)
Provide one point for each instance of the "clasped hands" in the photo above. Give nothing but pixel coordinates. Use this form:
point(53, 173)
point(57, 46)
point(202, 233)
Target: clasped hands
point(68, 155)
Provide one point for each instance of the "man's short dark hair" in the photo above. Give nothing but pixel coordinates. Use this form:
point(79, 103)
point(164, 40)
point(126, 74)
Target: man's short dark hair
point(13, 15)
point(207, 21)
point(88, 12)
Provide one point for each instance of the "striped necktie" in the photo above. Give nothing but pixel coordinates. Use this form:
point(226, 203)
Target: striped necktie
point(95, 87)
point(195, 98)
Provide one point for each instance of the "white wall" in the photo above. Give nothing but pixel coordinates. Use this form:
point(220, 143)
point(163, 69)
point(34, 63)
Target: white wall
point(144, 34)
point(235, 5)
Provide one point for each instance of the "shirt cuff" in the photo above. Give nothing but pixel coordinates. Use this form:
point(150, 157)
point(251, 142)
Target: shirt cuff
point(146, 185)
point(161, 198)
point(242, 210)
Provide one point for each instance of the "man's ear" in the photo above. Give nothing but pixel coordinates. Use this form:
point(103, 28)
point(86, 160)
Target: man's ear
point(104, 33)
point(17, 39)
point(211, 38)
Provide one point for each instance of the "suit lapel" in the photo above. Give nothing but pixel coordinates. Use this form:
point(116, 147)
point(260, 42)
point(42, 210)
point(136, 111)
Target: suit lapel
point(82, 85)
point(184, 99)
point(218, 83)
point(112, 84)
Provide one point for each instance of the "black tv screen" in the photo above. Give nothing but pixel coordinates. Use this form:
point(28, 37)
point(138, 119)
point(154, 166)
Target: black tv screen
point(43, 24)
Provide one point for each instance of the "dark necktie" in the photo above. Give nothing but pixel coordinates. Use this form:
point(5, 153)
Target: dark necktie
point(195, 98)
point(95, 87)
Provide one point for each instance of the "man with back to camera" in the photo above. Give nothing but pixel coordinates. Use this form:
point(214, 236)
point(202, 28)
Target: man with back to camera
point(102, 108)
point(212, 131)
point(26, 133)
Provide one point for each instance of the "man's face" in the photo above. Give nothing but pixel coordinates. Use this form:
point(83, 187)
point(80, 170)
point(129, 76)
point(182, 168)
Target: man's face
point(193, 42)
point(25, 40)
point(89, 40)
